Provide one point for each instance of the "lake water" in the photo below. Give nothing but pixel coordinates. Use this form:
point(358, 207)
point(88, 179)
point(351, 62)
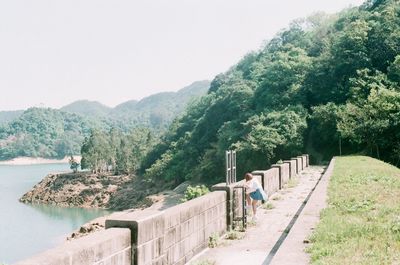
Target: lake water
point(26, 229)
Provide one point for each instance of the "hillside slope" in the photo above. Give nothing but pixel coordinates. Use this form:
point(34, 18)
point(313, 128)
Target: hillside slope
point(328, 83)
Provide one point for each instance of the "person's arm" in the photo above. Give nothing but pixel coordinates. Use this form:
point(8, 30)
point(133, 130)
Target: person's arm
point(252, 186)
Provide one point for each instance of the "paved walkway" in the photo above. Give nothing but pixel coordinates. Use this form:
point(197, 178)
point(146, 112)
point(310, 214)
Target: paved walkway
point(255, 248)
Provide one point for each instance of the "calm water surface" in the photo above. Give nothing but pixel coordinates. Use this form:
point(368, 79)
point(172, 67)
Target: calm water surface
point(26, 230)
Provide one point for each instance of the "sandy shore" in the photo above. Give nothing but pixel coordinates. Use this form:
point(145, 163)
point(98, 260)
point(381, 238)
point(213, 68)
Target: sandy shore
point(19, 161)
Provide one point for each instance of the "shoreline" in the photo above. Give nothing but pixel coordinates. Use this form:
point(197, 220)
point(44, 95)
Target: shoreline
point(23, 161)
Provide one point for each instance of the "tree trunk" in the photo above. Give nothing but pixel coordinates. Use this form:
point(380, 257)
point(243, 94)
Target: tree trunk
point(377, 151)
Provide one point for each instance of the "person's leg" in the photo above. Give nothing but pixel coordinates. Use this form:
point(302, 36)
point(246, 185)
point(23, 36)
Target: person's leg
point(248, 204)
point(254, 204)
point(248, 200)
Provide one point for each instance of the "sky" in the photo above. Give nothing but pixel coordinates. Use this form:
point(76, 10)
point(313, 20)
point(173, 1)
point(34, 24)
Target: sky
point(53, 52)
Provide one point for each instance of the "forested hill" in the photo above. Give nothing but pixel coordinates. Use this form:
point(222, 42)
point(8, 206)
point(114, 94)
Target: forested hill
point(326, 82)
point(87, 108)
point(7, 116)
point(155, 111)
point(52, 133)
point(43, 132)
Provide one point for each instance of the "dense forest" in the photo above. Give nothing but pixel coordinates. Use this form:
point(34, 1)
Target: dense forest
point(52, 133)
point(43, 132)
point(328, 84)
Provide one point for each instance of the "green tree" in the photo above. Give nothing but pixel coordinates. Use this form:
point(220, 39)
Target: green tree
point(73, 164)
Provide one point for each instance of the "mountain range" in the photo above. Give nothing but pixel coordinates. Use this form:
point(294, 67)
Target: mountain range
point(55, 133)
point(155, 109)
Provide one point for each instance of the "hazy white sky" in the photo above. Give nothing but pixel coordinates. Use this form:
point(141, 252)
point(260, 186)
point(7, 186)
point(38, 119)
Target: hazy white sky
point(53, 52)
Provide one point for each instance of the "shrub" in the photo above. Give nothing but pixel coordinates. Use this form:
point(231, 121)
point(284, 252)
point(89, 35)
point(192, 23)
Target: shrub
point(213, 240)
point(194, 192)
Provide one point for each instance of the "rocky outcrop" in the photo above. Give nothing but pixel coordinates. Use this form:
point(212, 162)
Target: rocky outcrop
point(84, 190)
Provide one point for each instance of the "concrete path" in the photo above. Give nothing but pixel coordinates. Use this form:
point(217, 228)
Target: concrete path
point(292, 251)
point(260, 238)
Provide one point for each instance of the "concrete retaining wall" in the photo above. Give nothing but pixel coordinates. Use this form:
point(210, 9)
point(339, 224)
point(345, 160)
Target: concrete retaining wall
point(304, 160)
point(172, 236)
point(111, 247)
point(284, 173)
point(175, 235)
point(269, 179)
point(299, 164)
point(292, 167)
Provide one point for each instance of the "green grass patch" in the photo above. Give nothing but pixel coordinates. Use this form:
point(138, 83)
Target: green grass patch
point(361, 224)
point(268, 206)
point(213, 240)
point(234, 235)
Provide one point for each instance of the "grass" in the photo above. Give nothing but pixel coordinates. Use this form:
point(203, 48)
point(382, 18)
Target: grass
point(204, 262)
point(293, 182)
point(361, 224)
point(268, 206)
point(234, 235)
point(276, 197)
point(213, 240)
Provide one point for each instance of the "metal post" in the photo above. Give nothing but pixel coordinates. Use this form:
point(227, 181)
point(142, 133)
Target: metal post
point(228, 167)
point(233, 166)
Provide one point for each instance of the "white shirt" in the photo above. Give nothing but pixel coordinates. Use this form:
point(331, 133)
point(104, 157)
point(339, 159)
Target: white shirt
point(252, 185)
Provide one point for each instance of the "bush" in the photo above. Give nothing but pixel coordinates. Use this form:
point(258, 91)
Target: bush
point(194, 192)
point(213, 240)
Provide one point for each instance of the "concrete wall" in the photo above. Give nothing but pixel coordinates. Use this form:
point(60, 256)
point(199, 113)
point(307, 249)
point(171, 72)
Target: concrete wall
point(304, 157)
point(299, 163)
point(172, 236)
point(175, 235)
point(269, 179)
point(111, 247)
point(284, 173)
point(292, 167)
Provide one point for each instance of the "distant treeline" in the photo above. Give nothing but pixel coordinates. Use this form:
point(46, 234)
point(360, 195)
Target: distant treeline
point(52, 133)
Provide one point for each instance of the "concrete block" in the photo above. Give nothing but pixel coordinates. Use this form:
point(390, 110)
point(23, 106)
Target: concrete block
point(95, 248)
point(173, 254)
point(292, 168)
point(172, 236)
point(143, 254)
point(187, 228)
point(304, 161)
point(299, 164)
point(280, 182)
point(146, 219)
point(172, 217)
point(300, 161)
point(202, 219)
point(160, 260)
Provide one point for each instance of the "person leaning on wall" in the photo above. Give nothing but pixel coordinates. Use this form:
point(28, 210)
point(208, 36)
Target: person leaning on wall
point(254, 194)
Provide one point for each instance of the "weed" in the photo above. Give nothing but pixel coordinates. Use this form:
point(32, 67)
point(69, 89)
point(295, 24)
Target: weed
point(194, 192)
point(213, 240)
point(204, 262)
point(251, 223)
point(234, 235)
point(293, 182)
point(268, 206)
point(276, 197)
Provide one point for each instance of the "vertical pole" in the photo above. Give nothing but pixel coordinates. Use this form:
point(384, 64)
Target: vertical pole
point(244, 207)
point(228, 167)
point(233, 166)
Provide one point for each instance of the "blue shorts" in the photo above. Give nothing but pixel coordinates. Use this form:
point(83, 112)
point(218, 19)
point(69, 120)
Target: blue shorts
point(256, 195)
